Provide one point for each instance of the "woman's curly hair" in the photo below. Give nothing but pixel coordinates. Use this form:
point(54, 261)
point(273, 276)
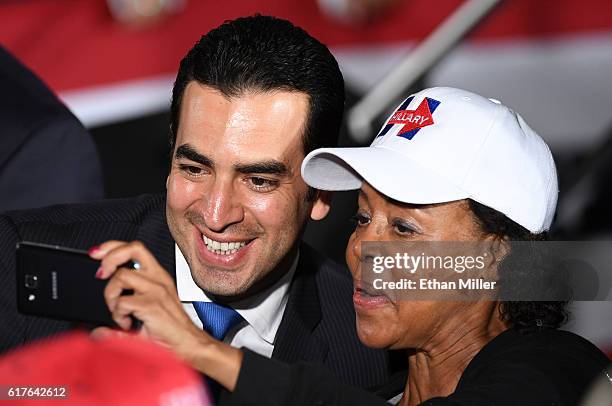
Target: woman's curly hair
point(520, 315)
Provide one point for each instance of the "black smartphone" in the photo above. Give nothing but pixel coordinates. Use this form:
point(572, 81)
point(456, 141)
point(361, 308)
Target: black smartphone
point(60, 282)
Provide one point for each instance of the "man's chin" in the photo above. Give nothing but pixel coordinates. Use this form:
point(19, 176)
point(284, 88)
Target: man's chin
point(222, 283)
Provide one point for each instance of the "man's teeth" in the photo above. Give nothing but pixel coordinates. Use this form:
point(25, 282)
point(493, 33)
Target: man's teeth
point(222, 248)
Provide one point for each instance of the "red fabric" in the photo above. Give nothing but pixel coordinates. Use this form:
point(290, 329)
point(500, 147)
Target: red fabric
point(114, 371)
point(75, 43)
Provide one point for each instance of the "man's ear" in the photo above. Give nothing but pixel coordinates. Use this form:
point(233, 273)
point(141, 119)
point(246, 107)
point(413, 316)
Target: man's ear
point(322, 205)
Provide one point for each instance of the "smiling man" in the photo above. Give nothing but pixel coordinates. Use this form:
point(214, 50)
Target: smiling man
point(236, 202)
point(222, 250)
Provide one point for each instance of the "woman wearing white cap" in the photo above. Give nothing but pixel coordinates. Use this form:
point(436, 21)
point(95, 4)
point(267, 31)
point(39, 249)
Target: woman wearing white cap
point(448, 165)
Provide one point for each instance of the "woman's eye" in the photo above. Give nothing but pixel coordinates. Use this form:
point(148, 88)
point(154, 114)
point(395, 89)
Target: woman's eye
point(361, 219)
point(403, 228)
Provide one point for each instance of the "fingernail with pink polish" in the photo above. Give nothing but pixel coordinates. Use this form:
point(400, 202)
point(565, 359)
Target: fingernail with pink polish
point(93, 250)
point(99, 273)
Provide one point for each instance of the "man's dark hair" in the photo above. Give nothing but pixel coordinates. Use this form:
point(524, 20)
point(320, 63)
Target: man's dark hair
point(520, 315)
point(261, 53)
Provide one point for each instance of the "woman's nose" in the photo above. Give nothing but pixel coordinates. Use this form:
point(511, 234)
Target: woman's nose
point(367, 243)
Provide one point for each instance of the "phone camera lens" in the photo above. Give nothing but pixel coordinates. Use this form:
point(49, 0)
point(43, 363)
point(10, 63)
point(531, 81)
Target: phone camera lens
point(31, 281)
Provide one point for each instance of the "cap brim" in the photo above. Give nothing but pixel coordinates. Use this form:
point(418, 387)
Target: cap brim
point(387, 171)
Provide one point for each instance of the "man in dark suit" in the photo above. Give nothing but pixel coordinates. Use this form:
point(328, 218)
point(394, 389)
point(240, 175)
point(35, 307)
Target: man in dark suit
point(46, 156)
point(250, 100)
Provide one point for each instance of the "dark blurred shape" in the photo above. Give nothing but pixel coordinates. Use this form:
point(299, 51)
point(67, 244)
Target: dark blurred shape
point(583, 279)
point(46, 155)
point(111, 371)
point(597, 167)
point(135, 155)
point(600, 393)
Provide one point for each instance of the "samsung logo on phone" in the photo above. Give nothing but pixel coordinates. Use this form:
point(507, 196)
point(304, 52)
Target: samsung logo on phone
point(53, 285)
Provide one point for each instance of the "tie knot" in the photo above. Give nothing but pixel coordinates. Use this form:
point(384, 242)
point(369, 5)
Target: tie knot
point(216, 319)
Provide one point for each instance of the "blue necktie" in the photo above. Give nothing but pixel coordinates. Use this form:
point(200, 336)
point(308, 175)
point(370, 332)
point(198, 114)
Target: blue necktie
point(217, 319)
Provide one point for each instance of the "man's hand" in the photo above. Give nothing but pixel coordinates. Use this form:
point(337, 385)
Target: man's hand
point(155, 302)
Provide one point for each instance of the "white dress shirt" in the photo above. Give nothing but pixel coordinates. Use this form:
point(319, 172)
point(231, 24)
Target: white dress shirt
point(262, 313)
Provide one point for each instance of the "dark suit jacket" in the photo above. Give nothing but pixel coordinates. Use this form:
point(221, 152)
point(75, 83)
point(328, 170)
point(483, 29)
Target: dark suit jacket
point(318, 324)
point(46, 156)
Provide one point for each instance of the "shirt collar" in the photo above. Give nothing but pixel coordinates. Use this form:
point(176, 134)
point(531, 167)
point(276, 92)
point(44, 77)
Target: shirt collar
point(263, 311)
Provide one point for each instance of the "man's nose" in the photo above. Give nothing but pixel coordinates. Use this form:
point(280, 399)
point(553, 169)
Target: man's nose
point(222, 208)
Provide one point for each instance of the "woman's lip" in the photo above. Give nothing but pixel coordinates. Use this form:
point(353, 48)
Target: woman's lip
point(363, 300)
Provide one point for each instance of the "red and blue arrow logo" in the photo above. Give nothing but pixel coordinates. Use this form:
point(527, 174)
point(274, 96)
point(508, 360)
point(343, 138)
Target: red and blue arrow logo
point(412, 120)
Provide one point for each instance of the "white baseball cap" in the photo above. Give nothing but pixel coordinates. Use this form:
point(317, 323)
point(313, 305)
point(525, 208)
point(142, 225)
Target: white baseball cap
point(444, 144)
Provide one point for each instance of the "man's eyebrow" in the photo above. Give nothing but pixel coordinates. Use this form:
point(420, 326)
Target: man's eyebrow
point(270, 167)
point(188, 152)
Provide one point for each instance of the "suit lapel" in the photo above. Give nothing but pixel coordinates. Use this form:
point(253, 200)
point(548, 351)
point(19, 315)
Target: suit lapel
point(295, 340)
point(155, 235)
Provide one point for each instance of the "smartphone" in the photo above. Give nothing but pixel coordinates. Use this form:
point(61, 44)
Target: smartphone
point(60, 282)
